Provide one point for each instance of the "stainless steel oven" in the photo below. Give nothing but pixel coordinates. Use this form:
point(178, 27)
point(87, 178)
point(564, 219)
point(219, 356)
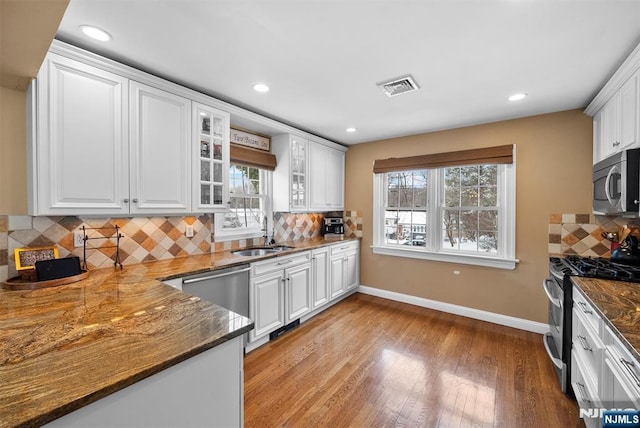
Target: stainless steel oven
point(557, 341)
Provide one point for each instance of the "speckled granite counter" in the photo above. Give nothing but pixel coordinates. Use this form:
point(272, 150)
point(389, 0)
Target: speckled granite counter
point(64, 347)
point(619, 306)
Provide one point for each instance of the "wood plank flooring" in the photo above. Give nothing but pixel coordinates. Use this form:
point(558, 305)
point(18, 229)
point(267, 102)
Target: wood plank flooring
point(371, 362)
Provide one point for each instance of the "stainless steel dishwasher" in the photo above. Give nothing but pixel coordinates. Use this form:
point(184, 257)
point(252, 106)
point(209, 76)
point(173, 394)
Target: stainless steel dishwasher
point(228, 288)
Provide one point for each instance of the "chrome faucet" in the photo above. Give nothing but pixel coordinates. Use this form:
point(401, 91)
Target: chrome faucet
point(264, 229)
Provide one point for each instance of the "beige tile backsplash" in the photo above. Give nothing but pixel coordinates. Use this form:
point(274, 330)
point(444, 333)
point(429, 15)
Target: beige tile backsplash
point(145, 238)
point(581, 234)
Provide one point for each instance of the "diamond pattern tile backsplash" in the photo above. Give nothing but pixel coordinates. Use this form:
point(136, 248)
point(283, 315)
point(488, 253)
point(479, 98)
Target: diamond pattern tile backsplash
point(581, 234)
point(144, 238)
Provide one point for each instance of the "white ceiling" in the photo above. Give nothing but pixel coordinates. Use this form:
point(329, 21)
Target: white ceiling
point(323, 58)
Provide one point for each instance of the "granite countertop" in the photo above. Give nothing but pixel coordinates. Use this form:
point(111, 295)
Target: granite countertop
point(618, 303)
point(64, 347)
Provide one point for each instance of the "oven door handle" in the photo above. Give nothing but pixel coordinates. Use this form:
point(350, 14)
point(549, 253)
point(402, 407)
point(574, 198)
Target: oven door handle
point(553, 300)
point(556, 361)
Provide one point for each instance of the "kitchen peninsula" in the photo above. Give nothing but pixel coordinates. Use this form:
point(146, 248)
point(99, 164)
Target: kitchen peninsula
point(154, 352)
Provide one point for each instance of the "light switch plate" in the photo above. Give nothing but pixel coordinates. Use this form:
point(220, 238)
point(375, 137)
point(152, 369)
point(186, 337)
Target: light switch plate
point(189, 231)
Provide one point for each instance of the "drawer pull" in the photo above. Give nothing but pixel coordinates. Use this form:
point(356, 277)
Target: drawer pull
point(629, 366)
point(285, 262)
point(585, 308)
point(584, 343)
point(583, 392)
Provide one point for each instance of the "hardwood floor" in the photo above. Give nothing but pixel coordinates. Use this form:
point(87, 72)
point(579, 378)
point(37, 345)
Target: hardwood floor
point(371, 362)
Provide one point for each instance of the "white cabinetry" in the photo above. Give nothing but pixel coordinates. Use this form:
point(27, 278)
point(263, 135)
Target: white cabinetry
point(617, 122)
point(210, 158)
point(160, 140)
point(79, 159)
point(616, 110)
point(320, 277)
point(279, 292)
point(604, 374)
point(586, 355)
point(106, 139)
point(343, 268)
point(312, 172)
point(326, 176)
point(291, 173)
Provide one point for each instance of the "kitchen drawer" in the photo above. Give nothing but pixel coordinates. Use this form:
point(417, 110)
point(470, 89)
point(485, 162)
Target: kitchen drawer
point(624, 369)
point(343, 248)
point(588, 345)
point(584, 307)
point(584, 391)
point(279, 263)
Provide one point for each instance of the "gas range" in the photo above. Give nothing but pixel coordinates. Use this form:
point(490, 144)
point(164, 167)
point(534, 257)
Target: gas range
point(593, 268)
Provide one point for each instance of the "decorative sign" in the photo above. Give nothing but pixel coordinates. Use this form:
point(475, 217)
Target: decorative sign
point(26, 258)
point(250, 140)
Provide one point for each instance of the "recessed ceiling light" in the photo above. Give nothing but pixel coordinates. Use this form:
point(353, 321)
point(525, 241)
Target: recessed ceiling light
point(260, 87)
point(517, 97)
point(95, 33)
point(351, 129)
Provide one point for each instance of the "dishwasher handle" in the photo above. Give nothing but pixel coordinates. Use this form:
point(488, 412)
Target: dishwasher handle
point(216, 276)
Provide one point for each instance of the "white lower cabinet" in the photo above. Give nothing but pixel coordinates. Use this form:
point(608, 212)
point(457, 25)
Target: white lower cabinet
point(343, 267)
point(319, 277)
point(296, 287)
point(279, 292)
point(604, 374)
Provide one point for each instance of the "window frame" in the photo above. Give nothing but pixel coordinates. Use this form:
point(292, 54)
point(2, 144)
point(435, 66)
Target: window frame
point(222, 235)
point(434, 250)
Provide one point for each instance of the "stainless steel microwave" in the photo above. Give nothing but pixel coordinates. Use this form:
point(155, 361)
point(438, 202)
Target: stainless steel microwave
point(616, 181)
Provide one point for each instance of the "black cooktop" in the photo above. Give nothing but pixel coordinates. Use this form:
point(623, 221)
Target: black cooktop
point(601, 268)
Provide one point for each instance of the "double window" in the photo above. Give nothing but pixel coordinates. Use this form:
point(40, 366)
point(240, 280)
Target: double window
point(458, 213)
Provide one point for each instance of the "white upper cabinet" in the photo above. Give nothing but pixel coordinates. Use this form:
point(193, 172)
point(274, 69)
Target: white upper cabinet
point(79, 160)
point(618, 121)
point(312, 173)
point(210, 158)
point(160, 141)
point(106, 139)
point(616, 111)
point(326, 177)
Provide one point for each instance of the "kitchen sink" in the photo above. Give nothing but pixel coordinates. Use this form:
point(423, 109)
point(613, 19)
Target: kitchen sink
point(260, 251)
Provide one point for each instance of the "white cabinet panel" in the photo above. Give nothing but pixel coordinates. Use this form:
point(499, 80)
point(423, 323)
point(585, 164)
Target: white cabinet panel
point(326, 178)
point(160, 151)
point(298, 291)
point(267, 303)
point(80, 155)
point(320, 277)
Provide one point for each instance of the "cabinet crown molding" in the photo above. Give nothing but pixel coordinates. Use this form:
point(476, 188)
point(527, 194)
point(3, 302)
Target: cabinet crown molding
point(630, 66)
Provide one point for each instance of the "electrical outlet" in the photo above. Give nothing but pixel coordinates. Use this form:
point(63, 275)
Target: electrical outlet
point(189, 231)
point(78, 239)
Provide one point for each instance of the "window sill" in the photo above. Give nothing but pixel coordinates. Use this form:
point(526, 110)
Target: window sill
point(467, 259)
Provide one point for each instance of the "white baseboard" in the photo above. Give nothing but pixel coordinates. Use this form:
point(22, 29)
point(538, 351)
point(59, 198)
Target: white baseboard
point(519, 323)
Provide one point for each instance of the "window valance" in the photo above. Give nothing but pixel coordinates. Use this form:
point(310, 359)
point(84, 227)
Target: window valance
point(486, 155)
point(250, 157)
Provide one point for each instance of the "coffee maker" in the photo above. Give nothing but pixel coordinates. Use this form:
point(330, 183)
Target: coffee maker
point(333, 227)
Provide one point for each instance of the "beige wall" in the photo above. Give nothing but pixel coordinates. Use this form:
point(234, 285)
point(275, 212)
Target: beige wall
point(13, 152)
point(553, 175)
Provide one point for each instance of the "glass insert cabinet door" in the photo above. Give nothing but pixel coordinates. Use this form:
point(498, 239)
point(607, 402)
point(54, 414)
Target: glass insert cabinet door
point(211, 158)
point(298, 174)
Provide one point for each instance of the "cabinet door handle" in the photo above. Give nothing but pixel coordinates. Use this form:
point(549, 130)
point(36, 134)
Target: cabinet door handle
point(584, 343)
point(126, 201)
point(135, 201)
point(583, 392)
point(585, 308)
point(629, 366)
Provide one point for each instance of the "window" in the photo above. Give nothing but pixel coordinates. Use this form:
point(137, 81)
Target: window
point(463, 214)
point(249, 204)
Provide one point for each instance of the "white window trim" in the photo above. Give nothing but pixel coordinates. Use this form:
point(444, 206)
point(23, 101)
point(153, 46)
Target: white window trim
point(221, 235)
point(507, 228)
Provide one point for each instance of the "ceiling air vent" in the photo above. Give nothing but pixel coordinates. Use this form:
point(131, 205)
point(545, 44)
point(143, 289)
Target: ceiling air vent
point(398, 86)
